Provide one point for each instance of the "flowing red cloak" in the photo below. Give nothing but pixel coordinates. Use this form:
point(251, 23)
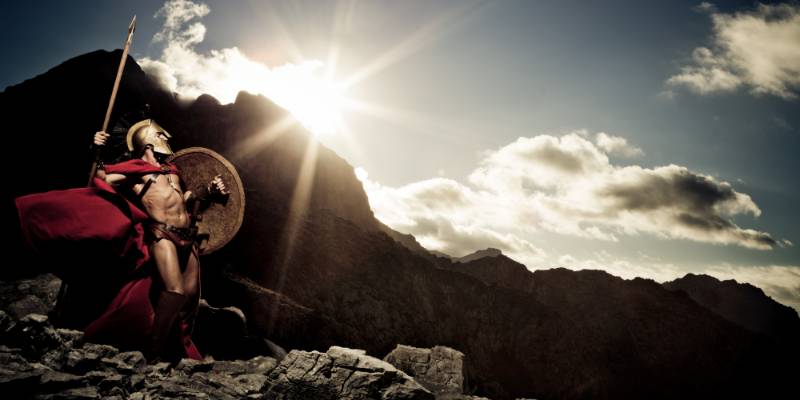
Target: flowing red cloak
point(101, 226)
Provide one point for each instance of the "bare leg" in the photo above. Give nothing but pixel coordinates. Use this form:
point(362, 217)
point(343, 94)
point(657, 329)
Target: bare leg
point(166, 257)
point(171, 300)
point(191, 276)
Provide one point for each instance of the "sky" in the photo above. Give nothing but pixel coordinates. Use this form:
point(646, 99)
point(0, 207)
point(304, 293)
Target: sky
point(644, 138)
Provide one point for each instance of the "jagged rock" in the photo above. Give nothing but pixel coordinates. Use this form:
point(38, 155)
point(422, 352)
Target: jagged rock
point(137, 382)
point(439, 369)
point(53, 381)
point(174, 388)
point(6, 323)
point(29, 296)
point(34, 335)
point(341, 373)
point(189, 366)
point(29, 304)
point(127, 362)
point(256, 365)
point(73, 394)
point(88, 357)
point(70, 337)
point(112, 381)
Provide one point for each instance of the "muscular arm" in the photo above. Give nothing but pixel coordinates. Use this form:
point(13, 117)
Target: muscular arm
point(111, 179)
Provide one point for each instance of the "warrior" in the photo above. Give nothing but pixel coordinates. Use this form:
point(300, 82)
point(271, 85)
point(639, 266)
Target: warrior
point(169, 233)
point(140, 201)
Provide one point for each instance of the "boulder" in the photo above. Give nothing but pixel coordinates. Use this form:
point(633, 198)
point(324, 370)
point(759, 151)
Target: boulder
point(439, 369)
point(341, 373)
point(29, 296)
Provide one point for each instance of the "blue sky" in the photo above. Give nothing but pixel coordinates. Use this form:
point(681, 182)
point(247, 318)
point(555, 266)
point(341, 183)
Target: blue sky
point(457, 84)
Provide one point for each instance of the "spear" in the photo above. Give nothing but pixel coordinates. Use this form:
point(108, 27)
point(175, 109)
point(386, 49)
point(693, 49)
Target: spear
point(131, 28)
point(62, 293)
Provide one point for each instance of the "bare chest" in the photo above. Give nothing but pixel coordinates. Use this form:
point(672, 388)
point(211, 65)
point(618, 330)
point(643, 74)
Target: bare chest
point(155, 188)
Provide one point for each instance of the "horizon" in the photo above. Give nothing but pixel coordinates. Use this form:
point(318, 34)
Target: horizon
point(565, 136)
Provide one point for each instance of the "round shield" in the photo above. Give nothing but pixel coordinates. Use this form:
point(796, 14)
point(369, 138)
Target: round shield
point(220, 221)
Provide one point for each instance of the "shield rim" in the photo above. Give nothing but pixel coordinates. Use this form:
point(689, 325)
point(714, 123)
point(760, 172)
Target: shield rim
point(234, 172)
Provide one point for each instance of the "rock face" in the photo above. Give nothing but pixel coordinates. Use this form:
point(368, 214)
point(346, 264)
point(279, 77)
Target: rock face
point(39, 361)
point(341, 373)
point(36, 295)
point(439, 369)
point(318, 271)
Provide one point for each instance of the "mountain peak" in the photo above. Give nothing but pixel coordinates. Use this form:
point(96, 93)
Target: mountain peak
point(488, 252)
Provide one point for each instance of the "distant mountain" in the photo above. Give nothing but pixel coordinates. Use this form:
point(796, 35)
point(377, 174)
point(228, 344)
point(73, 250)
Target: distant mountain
point(491, 267)
point(488, 252)
point(311, 267)
point(743, 304)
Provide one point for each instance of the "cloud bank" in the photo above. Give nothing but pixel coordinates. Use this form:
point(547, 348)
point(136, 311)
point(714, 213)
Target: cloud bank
point(757, 49)
point(300, 88)
point(565, 185)
point(569, 186)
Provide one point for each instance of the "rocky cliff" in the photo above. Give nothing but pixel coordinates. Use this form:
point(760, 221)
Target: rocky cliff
point(311, 268)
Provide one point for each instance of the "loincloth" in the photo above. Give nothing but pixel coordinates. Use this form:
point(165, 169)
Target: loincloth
point(183, 238)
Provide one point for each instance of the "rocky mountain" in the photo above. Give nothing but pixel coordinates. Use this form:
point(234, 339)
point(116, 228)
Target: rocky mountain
point(485, 253)
point(743, 304)
point(311, 268)
point(493, 268)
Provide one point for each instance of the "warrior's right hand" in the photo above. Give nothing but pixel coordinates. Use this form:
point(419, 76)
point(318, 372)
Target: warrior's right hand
point(100, 138)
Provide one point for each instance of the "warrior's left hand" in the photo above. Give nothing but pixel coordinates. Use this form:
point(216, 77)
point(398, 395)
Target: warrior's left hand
point(217, 186)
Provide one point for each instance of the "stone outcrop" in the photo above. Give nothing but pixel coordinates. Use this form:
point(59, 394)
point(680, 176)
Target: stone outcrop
point(42, 362)
point(439, 369)
point(341, 373)
point(35, 295)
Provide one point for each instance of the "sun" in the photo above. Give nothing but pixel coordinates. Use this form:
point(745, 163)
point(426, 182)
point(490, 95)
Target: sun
point(307, 90)
point(319, 105)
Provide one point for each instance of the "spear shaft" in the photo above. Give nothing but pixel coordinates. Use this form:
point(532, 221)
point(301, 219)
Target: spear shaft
point(131, 29)
point(62, 293)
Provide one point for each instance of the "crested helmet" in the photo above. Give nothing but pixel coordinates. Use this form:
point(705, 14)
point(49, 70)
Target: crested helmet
point(148, 133)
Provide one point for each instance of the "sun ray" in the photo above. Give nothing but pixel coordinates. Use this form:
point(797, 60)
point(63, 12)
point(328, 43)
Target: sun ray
point(421, 123)
point(252, 144)
point(298, 208)
point(418, 40)
point(285, 38)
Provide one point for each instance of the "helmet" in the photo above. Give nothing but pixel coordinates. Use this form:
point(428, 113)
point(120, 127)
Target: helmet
point(148, 133)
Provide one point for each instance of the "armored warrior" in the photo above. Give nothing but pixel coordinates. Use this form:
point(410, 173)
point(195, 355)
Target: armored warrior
point(168, 232)
point(141, 210)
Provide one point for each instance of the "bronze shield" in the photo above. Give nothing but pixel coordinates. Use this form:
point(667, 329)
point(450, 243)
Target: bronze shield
point(219, 223)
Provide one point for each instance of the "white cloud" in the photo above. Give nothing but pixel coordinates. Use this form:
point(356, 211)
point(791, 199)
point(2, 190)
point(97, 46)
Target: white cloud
point(565, 185)
point(223, 73)
point(617, 145)
point(447, 216)
point(758, 49)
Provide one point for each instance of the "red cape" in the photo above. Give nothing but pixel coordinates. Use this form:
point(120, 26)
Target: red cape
point(100, 226)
